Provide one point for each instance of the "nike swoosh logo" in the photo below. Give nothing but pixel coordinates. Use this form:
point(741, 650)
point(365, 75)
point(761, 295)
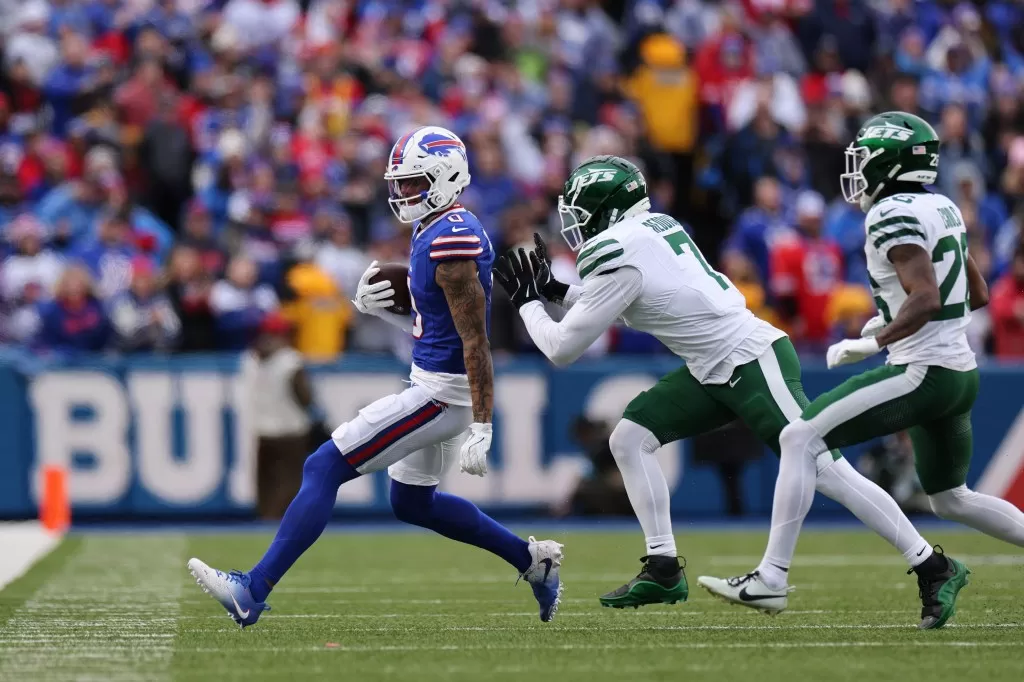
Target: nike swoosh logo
point(921, 552)
point(547, 567)
point(746, 596)
point(656, 546)
point(459, 229)
point(238, 609)
point(882, 214)
point(734, 382)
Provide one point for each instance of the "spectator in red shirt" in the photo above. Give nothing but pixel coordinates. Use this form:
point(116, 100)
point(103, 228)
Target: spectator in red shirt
point(805, 268)
point(722, 63)
point(1007, 309)
point(139, 99)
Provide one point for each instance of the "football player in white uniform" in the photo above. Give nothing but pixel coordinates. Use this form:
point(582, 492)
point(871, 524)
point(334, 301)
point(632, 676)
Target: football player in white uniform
point(925, 286)
point(642, 267)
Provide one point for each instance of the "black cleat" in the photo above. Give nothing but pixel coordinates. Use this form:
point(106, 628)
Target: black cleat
point(660, 581)
point(939, 581)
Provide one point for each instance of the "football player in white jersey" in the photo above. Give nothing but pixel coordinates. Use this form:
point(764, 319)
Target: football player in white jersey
point(925, 286)
point(643, 267)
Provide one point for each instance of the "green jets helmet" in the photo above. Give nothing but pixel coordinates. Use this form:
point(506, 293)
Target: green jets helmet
point(602, 191)
point(890, 147)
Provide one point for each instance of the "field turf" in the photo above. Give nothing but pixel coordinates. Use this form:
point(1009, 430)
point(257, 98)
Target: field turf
point(394, 606)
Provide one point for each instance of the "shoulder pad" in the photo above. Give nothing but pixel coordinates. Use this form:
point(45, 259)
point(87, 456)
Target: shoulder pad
point(887, 216)
point(892, 220)
point(457, 235)
point(604, 255)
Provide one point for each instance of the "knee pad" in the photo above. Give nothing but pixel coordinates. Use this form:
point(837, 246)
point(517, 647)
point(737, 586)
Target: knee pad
point(800, 438)
point(629, 438)
point(411, 503)
point(949, 504)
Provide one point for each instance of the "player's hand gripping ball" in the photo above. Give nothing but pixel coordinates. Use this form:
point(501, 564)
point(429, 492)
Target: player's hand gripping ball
point(384, 288)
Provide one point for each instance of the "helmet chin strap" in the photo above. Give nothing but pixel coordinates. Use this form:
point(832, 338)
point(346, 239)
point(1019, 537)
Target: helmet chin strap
point(866, 201)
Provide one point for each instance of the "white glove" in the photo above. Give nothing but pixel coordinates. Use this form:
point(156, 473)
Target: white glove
point(371, 298)
point(473, 455)
point(849, 351)
point(873, 326)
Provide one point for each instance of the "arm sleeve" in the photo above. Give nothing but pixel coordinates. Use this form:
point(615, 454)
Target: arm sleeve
point(602, 300)
point(571, 296)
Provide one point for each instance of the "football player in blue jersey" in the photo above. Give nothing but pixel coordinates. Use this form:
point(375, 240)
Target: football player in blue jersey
point(415, 433)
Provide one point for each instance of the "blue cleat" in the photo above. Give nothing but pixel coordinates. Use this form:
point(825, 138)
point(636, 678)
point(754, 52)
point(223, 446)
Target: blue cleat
point(231, 590)
point(543, 576)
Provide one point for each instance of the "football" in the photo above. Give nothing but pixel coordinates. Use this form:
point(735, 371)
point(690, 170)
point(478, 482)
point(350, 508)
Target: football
point(397, 275)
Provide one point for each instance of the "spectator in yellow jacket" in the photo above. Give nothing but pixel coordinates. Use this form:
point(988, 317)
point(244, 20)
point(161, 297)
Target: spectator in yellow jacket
point(318, 312)
point(742, 273)
point(665, 89)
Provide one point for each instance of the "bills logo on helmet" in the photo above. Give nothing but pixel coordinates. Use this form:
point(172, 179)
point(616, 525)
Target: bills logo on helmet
point(436, 143)
point(887, 132)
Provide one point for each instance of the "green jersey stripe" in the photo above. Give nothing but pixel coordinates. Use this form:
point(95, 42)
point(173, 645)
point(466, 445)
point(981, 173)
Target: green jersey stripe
point(598, 262)
point(587, 252)
point(593, 255)
point(905, 232)
point(895, 220)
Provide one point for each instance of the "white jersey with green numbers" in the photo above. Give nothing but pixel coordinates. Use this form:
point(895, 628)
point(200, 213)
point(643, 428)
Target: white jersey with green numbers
point(695, 311)
point(934, 223)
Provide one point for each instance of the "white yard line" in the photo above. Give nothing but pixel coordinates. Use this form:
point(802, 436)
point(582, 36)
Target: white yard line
point(110, 613)
point(604, 613)
point(867, 560)
point(398, 627)
point(23, 543)
point(385, 648)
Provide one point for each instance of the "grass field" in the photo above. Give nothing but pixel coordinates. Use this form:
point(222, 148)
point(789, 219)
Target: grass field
point(390, 606)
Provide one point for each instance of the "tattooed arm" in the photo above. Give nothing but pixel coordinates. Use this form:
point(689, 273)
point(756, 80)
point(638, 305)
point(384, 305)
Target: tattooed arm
point(461, 285)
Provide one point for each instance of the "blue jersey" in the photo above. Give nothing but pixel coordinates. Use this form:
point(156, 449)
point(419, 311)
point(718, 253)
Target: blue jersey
point(454, 235)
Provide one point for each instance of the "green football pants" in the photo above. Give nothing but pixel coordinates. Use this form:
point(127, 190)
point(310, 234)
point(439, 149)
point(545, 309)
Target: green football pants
point(766, 394)
point(932, 403)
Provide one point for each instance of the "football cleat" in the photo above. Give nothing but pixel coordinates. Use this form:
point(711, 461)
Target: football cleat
point(543, 576)
point(231, 590)
point(747, 590)
point(660, 581)
point(938, 592)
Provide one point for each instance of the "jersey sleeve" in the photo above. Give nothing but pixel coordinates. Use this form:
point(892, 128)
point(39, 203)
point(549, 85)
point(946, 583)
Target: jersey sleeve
point(892, 225)
point(601, 301)
point(461, 237)
point(603, 256)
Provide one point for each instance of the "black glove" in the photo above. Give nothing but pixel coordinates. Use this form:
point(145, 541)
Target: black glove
point(549, 287)
point(515, 276)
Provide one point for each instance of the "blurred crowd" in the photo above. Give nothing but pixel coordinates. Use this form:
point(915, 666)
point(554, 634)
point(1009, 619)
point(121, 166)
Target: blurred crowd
point(178, 175)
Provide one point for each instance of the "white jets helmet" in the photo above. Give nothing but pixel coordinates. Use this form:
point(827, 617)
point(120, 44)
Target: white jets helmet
point(427, 172)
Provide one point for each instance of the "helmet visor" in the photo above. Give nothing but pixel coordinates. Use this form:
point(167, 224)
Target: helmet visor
point(852, 182)
point(573, 218)
point(407, 195)
point(409, 189)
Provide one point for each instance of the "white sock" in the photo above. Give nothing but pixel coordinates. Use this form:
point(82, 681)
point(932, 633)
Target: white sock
point(794, 492)
point(633, 447)
point(661, 545)
point(991, 515)
point(874, 507)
